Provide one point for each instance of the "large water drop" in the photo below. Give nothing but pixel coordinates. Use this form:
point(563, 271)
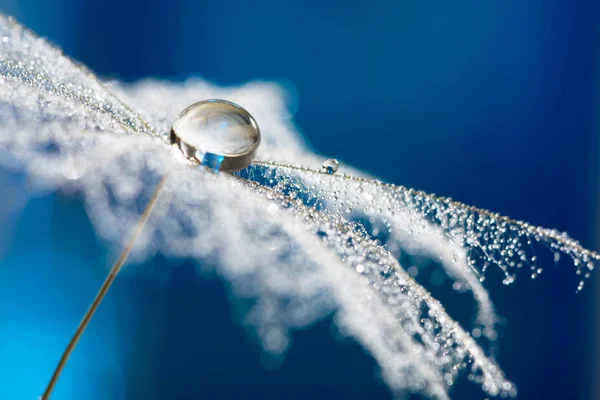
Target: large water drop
point(330, 166)
point(218, 134)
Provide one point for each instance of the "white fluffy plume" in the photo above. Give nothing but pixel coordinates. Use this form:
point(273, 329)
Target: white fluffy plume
point(287, 236)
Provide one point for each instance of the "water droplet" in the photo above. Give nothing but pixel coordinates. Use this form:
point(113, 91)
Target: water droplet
point(590, 266)
point(510, 279)
point(218, 134)
point(330, 166)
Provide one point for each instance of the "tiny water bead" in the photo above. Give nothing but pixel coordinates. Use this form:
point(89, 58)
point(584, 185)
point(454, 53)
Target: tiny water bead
point(485, 238)
point(218, 134)
point(330, 166)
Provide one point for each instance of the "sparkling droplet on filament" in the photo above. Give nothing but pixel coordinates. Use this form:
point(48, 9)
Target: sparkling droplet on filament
point(330, 166)
point(218, 134)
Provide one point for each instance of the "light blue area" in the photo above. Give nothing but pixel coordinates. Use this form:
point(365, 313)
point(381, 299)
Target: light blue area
point(47, 281)
point(213, 161)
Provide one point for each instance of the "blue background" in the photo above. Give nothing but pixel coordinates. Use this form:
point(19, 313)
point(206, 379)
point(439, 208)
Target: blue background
point(493, 103)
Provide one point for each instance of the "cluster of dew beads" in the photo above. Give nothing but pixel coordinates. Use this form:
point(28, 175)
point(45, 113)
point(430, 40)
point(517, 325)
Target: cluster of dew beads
point(441, 343)
point(348, 199)
point(487, 238)
point(15, 72)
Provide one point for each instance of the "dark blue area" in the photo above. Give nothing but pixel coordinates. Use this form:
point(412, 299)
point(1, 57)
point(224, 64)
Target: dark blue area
point(490, 102)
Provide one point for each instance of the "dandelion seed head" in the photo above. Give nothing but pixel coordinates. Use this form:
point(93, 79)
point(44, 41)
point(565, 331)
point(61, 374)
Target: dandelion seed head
point(301, 243)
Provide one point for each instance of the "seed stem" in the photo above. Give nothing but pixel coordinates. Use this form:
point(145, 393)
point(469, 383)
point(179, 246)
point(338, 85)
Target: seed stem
point(114, 271)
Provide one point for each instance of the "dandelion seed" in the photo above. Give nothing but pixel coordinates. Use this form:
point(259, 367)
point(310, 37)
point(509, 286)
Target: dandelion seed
point(282, 224)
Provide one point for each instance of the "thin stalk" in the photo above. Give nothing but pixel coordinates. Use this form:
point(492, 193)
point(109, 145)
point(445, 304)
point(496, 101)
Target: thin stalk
point(114, 271)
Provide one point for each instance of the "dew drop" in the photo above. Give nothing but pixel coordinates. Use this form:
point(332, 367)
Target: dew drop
point(330, 166)
point(218, 134)
point(508, 280)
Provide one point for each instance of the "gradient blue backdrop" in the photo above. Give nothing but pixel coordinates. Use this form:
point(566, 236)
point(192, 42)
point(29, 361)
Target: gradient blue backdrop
point(493, 103)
